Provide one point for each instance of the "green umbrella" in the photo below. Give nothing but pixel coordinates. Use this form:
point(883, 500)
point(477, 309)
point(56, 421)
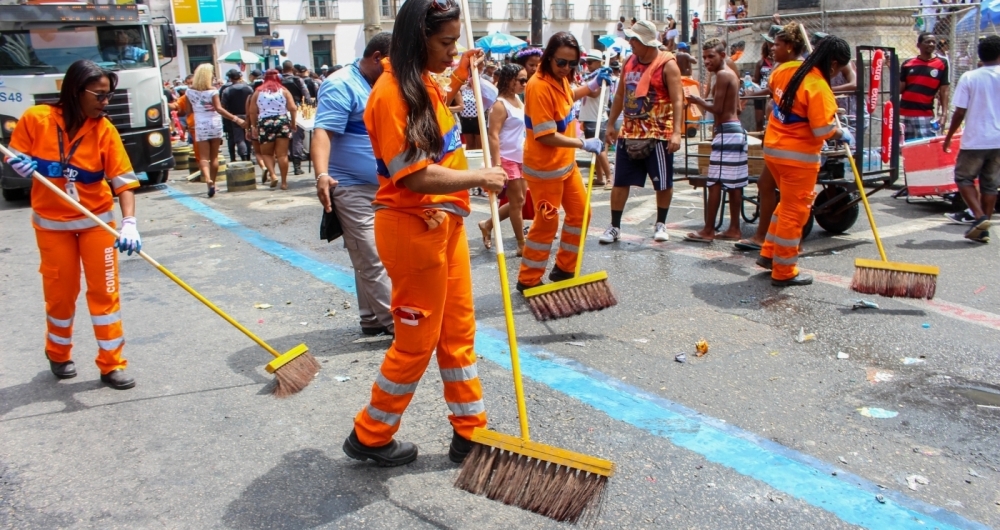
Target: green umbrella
point(241, 56)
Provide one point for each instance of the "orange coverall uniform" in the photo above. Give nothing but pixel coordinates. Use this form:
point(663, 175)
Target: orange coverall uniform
point(422, 243)
point(792, 146)
point(66, 238)
point(553, 178)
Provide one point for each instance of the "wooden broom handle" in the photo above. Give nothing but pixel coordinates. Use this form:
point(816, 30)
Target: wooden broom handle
point(585, 225)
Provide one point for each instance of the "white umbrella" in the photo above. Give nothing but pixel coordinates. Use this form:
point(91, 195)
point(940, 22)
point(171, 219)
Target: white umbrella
point(241, 56)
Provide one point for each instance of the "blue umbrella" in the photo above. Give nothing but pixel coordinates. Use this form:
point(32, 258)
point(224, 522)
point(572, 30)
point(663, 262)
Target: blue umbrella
point(616, 43)
point(990, 14)
point(500, 43)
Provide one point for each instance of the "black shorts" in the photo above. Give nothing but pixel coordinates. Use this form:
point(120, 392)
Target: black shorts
point(588, 129)
point(758, 103)
point(658, 166)
point(469, 125)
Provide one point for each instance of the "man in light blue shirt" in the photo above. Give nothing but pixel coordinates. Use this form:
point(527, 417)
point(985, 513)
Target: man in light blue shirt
point(340, 143)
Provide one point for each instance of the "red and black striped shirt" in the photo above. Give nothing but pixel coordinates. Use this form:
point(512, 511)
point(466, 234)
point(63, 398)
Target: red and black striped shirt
point(922, 79)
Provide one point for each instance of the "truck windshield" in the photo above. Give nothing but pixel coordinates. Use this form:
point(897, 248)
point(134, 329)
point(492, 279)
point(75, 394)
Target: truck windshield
point(52, 50)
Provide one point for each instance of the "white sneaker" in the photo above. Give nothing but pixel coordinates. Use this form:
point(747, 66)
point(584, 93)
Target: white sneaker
point(660, 233)
point(610, 235)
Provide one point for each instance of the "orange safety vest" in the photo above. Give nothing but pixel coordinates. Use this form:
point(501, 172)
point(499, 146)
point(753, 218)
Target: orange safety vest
point(548, 109)
point(97, 165)
point(386, 120)
point(798, 138)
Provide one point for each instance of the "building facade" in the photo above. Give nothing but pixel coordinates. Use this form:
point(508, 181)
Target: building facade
point(318, 32)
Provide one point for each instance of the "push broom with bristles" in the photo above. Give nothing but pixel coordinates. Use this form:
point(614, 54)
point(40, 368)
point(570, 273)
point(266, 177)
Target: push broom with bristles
point(578, 294)
point(889, 278)
point(553, 482)
point(292, 370)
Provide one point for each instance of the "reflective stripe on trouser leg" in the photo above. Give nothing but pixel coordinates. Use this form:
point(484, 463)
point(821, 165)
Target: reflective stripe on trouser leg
point(573, 195)
point(798, 189)
point(418, 268)
point(60, 269)
point(455, 356)
point(100, 267)
point(547, 196)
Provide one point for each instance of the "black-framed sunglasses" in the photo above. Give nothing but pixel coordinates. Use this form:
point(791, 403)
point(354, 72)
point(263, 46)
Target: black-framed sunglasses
point(442, 5)
point(523, 81)
point(101, 96)
point(562, 63)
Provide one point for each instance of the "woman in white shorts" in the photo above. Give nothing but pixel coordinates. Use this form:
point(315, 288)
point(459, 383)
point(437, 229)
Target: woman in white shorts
point(203, 101)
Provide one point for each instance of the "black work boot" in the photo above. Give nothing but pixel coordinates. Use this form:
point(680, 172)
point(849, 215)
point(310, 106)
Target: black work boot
point(66, 370)
point(393, 454)
point(799, 279)
point(118, 380)
point(459, 449)
point(522, 287)
point(558, 275)
point(764, 263)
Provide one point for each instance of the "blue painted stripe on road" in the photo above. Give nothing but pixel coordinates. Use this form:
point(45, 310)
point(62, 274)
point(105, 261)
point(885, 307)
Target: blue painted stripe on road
point(846, 495)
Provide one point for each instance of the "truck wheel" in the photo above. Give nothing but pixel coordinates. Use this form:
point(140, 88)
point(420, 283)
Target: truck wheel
point(839, 223)
point(155, 177)
point(13, 195)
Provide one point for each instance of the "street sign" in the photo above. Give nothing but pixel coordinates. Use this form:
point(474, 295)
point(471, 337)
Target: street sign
point(261, 26)
point(277, 44)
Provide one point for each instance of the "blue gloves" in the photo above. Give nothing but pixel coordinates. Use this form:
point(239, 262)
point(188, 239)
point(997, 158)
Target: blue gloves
point(128, 237)
point(23, 165)
point(593, 145)
point(847, 137)
point(596, 78)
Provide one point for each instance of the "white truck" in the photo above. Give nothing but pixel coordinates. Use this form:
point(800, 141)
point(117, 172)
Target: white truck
point(39, 42)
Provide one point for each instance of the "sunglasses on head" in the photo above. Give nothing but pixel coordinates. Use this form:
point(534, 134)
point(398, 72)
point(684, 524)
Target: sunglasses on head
point(442, 5)
point(561, 63)
point(101, 96)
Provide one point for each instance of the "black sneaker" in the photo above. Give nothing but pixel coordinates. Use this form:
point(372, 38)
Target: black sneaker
point(393, 454)
point(117, 380)
point(985, 238)
point(764, 263)
point(459, 449)
point(978, 228)
point(377, 330)
point(799, 279)
point(66, 370)
point(962, 218)
point(558, 275)
point(522, 287)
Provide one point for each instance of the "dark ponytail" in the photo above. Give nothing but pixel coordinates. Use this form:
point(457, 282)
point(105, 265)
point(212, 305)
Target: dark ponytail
point(827, 50)
point(417, 20)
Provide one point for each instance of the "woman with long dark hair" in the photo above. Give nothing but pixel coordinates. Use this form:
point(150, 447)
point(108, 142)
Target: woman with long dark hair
point(506, 137)
point(804, 117)
point(72, 144)
point(550, 159)
point(269, 111)
point(420, 210)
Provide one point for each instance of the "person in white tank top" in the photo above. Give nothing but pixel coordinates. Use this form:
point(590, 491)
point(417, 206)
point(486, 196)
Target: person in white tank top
point(506, 137)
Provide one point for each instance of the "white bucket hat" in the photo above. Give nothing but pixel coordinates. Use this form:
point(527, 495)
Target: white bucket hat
point(645, 32)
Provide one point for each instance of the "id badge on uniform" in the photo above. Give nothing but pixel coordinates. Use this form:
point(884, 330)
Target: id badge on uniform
point(71, 190)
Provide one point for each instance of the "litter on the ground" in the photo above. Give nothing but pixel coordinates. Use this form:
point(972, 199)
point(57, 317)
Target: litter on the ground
point(260, 320)
point(913, 480)
point(304, 323)
point(842, 459)
point(804, 337)
point(927, 451)
point(346, 304)
point(701, 347)
point(376, 338)
point(981, 289)
point(580, 344)
point(880, 498)
point(342, 378)
point(215, 246)
point(331, 313)
point(262, 306)
point(925, 325)
point(878, 376)
point(972, 473)
point(877, 413)
point(641, 341)
point(865, 304)
point(842, 355)
point(288, 302)
point(681, 358)
point(911, 360)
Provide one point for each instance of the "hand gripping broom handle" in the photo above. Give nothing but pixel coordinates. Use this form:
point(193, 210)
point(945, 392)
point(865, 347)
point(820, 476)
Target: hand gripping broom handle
point(864, 198)
point(508, 311)
point(590, 179)
point(90, 215)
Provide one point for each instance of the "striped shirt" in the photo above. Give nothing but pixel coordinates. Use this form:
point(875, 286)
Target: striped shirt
point(923, 79)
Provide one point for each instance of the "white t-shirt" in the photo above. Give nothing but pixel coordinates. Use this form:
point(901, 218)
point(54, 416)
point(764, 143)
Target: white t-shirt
point(978, 92)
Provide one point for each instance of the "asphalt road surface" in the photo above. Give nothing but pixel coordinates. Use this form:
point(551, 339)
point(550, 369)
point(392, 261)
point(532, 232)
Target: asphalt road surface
point(762, 432)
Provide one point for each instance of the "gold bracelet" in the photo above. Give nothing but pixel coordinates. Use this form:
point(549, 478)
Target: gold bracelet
point(466, 80)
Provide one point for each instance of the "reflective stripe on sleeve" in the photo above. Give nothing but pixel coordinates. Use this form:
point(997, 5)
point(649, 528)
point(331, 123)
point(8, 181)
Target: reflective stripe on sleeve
point(106, 320)
point(451, 375)
point(387, 418)
point(60, 323)
point(823, 131)
point(110, 344)
point(396, 389)
point(467, 409)
point(544, 127)
point(79, 224)
point(792, 155)
point(555, 173)
point(123, 180)
point(401, 162)
point(63, 341)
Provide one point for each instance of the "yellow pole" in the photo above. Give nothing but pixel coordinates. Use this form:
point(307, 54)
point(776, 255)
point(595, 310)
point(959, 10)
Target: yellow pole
point(864, 199)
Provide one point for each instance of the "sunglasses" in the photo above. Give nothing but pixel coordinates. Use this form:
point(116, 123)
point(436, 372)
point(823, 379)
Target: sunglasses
point(442, 5)
point(561, 63)
point(101, 96)
point(523, 81)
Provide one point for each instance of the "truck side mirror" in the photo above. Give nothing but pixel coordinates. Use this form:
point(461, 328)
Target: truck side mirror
point(168, 40)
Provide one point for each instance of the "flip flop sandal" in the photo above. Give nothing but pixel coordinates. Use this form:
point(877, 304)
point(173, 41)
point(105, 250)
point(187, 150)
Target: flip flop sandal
point(695, 238)
point(274, 183)
point(745, 244)
point(487, 240)
point(727, 238)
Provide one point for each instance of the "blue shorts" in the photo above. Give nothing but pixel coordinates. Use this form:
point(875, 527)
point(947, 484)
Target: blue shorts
point(659, 166)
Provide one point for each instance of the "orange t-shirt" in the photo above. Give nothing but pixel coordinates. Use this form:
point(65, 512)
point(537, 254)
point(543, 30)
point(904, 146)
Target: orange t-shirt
point(548, 108)
point(386, 121)
point(99, 164)
point(798, 138)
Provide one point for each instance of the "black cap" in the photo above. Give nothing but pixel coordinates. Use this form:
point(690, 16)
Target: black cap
point(257, 73)
point(233, 73)
point(299, 67)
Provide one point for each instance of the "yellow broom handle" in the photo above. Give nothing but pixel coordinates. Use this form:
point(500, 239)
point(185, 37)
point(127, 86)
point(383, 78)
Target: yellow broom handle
point(90, 215)
point(590, 179)
point(515, 362)
point(868, 208)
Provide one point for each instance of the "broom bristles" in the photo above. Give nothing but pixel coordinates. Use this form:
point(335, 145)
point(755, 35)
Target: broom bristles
point(571, 301)
point(556, 491)
point(295, 375)
point(892, 283)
